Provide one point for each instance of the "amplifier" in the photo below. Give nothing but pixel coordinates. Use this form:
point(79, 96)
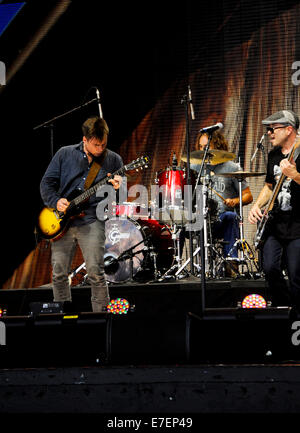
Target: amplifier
point(46, 307)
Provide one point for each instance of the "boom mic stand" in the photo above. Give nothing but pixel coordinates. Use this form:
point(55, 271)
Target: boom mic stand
point(49, 123)
point(260, 146)
point(187, 101)
point(201, 232)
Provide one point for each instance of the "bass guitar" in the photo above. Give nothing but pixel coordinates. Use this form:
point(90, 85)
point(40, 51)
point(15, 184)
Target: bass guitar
point(269, 210)
point(52, 224)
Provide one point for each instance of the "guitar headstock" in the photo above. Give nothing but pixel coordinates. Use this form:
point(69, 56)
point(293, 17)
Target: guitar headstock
point(141, 162)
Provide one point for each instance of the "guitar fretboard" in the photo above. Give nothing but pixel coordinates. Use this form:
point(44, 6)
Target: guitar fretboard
point(93, 189)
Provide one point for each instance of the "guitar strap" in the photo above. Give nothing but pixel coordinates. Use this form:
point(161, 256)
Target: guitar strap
point(296, 153)
point(94, 170)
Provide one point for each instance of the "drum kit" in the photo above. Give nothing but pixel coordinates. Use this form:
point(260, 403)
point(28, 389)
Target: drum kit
point(140, 248)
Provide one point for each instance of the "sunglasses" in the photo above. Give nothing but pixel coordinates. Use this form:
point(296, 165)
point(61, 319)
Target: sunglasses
point(270, 129)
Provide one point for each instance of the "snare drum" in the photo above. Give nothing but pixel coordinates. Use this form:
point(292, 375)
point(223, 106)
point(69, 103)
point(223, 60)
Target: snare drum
point(131, 210)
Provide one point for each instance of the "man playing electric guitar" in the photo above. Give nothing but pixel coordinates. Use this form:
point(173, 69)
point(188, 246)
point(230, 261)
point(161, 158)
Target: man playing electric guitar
point(281, 236)
point(68, 171)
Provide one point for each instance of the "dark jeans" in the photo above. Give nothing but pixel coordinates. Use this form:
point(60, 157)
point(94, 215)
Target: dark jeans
point(278, 255)
point(227, 228)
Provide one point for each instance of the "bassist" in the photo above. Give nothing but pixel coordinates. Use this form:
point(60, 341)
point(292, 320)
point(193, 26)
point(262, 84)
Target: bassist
point(281, 237)
point(69, 170)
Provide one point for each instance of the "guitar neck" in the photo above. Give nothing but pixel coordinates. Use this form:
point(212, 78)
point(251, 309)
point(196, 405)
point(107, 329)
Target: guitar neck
point(93, 189)
point(271, 202)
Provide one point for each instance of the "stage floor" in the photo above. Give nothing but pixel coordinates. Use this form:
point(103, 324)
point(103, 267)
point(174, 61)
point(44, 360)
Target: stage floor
point(163, 357)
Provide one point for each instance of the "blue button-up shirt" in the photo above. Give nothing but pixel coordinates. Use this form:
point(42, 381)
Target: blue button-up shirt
point(67, 172)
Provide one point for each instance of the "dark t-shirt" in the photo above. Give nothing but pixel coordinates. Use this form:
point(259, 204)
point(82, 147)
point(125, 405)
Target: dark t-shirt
point(285, 223)
point(227, 187)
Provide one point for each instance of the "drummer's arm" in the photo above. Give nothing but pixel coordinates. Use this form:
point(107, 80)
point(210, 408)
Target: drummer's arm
point(246, 199)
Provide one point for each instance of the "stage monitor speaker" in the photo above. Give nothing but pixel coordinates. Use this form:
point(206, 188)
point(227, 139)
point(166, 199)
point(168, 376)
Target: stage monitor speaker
point(239, 335)
point(55, 340)
point(147, 339)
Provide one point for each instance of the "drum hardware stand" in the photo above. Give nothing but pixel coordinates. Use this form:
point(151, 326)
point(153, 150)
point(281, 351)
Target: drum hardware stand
point(178, 260)
point(75, 272)
point(203, 244)
point(246, 254)
point(197, 250)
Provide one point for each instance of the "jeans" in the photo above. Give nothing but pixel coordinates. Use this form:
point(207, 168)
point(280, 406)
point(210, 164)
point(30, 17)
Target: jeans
point(227, 228)
point(277, 255)
point(91, 240)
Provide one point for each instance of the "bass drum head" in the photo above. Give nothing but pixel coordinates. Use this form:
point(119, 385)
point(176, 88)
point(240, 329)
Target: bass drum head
point(122, 235)
point(151, 242)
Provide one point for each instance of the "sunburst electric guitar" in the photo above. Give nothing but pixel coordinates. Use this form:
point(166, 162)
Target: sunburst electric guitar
point(52, 224)
point(269, 210)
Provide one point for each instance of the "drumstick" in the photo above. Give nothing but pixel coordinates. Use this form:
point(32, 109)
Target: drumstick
point(218, 194)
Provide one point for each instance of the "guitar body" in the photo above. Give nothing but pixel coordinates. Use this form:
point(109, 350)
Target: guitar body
point(51, 223)
point(262, 231)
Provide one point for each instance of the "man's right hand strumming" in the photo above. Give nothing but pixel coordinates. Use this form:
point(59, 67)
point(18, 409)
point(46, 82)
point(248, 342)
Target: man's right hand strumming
point(255, 214)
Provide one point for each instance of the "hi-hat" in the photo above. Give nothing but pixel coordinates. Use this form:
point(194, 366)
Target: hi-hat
point(213, 156)
point(241, 174)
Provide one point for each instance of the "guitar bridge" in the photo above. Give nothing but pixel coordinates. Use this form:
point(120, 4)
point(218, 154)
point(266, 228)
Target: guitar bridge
point(58, 215)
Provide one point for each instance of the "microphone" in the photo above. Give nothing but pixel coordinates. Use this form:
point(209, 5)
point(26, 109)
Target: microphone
point(258, 146)
point(212, 128)
point(191, 103)
point(99, 103)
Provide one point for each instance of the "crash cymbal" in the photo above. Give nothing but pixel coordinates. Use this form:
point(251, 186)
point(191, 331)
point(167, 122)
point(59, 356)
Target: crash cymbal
point(213, 156)
point(239, 174)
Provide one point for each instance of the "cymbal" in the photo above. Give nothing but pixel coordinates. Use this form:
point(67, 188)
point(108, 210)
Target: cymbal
point(239, 174)
point(213, 156)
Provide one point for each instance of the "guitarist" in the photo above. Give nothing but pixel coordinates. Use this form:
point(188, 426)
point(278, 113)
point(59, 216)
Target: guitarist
point(281, 246)
point(68, 171)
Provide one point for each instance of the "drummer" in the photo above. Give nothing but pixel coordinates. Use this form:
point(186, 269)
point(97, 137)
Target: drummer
point(225, 191)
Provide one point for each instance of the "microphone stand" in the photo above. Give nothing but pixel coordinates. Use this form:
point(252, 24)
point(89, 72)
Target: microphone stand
point(49, 123)
point(260, 146)
point(186, 100)
point(201, 233)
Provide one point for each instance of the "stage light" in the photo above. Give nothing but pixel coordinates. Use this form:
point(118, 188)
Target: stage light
point(118, 306)
point(3, 312)
point(254, 301)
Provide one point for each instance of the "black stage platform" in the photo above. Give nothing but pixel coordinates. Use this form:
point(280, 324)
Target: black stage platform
point(166, 355)
point(151, 296)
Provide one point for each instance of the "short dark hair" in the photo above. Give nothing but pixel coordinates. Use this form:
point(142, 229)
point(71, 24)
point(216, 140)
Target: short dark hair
point(95, 127)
